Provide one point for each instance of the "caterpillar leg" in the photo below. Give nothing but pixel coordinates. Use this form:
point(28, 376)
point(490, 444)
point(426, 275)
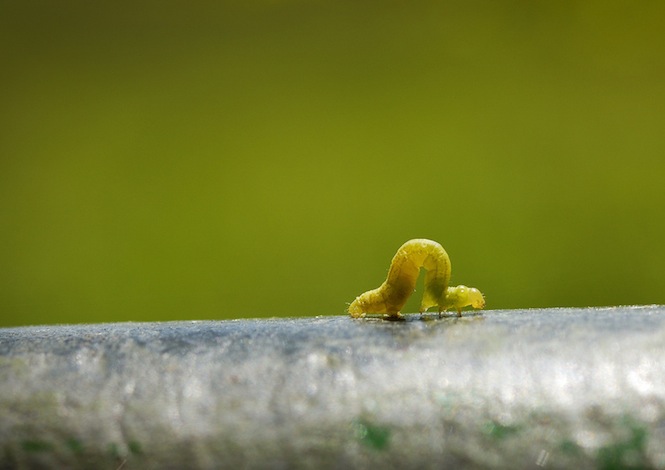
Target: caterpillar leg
point(394, 316)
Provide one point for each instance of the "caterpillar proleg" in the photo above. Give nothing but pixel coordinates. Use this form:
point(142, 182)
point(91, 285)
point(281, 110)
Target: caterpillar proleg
point(390, 297)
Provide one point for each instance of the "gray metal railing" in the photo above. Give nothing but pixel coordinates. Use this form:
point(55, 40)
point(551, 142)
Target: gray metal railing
point(555, 388)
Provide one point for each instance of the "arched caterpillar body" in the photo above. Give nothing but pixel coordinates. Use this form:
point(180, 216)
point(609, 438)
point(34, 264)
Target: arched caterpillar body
point(391, 296)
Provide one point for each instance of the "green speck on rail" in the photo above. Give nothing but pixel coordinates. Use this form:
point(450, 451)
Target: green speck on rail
point(135, 447)
point(500, 431)
point(373, 436)
point(75, 445)
point(628, 453)
point(36, 446)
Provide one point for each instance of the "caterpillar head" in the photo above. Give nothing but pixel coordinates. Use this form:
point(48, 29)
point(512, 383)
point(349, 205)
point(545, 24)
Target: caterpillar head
point(463, 296)
point(476, 298)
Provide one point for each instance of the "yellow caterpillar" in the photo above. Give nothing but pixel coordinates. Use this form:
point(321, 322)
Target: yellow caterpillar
point(391, 296)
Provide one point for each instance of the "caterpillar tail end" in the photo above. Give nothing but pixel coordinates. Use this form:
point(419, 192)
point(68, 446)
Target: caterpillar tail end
point(356, 309)
point(355, 313)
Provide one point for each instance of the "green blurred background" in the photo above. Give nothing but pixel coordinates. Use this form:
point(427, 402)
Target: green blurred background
point(213, 160)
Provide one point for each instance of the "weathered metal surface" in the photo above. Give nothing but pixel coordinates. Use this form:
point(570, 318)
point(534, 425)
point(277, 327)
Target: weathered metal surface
point(556, 388)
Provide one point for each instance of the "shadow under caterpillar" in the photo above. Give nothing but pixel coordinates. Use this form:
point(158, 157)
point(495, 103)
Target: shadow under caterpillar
point(390, 297)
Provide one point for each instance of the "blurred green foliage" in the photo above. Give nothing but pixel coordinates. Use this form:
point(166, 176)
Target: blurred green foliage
point(211, 160)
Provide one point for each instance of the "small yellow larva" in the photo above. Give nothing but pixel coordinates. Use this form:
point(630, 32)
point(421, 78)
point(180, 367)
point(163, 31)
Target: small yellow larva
point(390, 297)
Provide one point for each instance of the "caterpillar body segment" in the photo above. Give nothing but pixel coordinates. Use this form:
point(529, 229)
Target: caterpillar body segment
point(390, 297)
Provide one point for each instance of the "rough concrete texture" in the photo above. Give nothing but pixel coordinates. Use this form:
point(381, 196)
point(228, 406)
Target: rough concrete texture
point(558, 388)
